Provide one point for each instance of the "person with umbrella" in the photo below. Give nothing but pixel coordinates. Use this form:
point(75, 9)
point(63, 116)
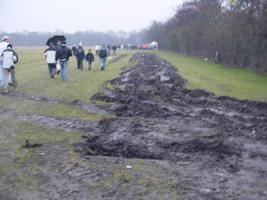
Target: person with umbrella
point(62, 54)
point(57, 40)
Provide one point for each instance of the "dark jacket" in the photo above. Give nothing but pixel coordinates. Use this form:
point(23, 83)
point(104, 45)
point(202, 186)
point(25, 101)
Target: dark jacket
point(80, 54)
point(74, 50)
point(90, 57)
point(103, 53)
point(63, 53)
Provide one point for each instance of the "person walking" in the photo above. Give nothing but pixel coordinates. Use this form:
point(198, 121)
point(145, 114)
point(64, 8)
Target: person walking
point(62, 54)
point(9, 58)
point(3, 46)
point(74, 49)
point(103, 57)
point(80, 57)
point(50, 55)
point(90, 59)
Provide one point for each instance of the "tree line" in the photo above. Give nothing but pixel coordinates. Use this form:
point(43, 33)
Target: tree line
point(235, 29)
point(88, 38)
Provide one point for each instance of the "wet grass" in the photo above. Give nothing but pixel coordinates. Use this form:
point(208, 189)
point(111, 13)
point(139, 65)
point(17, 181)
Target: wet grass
point(221, 80)
point(32, 75)
point(13, 170)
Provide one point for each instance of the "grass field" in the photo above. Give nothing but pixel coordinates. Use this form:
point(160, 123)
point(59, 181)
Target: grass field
point(221, 80)
point(33, 79)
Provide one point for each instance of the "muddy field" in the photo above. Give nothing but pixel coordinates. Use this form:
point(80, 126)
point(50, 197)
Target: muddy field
point(215, 146)
point(159, 141)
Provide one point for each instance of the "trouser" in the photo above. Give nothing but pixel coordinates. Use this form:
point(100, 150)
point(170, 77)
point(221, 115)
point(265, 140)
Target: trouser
point(51, 68)
point(64, 70)
point(1, 75)
point(102, 63)
point(89, 65)
point(13, 77)
point(7, 75)
point(80, 64)
point(6, 78)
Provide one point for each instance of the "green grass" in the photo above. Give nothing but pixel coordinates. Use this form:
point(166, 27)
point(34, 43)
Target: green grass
point(221, 80)
point(33, 79)
point(32, 75)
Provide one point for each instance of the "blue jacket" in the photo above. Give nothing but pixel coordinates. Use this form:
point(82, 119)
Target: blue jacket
point(80, 54)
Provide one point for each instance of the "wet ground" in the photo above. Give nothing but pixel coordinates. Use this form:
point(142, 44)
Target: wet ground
point(216, 146)
point(160, 141)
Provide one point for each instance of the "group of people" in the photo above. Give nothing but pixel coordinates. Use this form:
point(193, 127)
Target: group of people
point(57, 57)
point(8, 59)
point(80, 56)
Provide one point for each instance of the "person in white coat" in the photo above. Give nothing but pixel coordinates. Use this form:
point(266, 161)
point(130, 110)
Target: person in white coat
point(50, 55)
point(3, 46)
point(9, 58)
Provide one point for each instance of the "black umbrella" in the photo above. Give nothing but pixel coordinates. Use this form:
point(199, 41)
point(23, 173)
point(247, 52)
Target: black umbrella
point(55, 39)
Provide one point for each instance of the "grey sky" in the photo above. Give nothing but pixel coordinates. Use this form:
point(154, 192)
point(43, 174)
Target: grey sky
point(80, 15)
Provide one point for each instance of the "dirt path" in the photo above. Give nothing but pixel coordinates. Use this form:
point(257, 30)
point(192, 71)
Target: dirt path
point(218, 144)
point(165, 142)
point(88, 107)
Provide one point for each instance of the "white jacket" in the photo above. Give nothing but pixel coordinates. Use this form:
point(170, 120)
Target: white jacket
point(50, 55)
point(9, 57)
point(3, 46)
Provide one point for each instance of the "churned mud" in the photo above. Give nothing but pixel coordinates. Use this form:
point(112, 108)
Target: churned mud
point(163, 142)
point(216, 146)
point(66, 124)
point(92, 108)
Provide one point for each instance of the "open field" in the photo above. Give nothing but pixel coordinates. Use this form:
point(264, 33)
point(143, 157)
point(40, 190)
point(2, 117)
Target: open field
point(177, 143)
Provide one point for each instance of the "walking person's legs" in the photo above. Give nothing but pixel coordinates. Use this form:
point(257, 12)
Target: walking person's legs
point(1, 75)
point(50, 70)
point(81, 65)
point(64, 70)
point(89, 65)
point(13, 78)
point(6, 79)
point(78, 63)
point(53, 69)
point(102, 64)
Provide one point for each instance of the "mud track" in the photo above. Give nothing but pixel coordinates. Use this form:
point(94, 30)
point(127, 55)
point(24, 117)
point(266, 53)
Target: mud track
point(217, 146)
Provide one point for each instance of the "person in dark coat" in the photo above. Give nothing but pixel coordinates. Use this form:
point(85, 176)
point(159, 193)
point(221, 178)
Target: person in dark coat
point(74, 50)
point(62, 54)
point(103, 54)
point(90, 59)
point(114, 48)
point(80, 57)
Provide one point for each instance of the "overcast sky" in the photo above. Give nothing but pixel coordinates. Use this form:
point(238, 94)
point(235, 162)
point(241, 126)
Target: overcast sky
point(80, 15)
